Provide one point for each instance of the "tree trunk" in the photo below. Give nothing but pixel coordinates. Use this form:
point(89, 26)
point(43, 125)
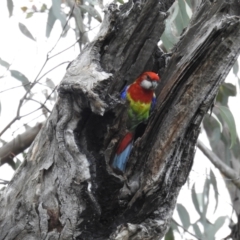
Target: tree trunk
point(66, 188)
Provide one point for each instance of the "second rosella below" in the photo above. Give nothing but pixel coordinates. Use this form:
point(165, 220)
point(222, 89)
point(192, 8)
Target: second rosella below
point(142, 99)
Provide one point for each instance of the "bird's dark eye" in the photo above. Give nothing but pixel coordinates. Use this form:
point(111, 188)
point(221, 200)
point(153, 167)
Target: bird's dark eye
point(148, 78)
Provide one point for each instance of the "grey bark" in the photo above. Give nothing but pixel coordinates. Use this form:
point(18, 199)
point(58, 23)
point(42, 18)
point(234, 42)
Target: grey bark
point(66, 188)
point(18, 145)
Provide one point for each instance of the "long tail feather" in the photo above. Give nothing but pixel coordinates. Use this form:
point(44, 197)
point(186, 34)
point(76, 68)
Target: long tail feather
point(123, 152)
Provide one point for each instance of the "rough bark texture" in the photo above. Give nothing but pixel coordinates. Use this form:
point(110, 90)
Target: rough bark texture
point(18, 145)
point(66, 188)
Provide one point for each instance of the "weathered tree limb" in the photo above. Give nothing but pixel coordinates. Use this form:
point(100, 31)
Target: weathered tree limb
point(18, 144)
point(218, 163)
point(66, 188)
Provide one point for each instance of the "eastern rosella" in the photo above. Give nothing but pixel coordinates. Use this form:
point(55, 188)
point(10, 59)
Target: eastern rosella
point(142, 99)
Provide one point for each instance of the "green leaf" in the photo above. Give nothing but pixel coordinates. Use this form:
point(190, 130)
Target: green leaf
point(50, 22)
point(93, 2)
point(30, 14)
point(236, 68)
point(229, 120)
point(169, 235)
point(10, 7)
point(174, 226)
point(214, 116)
point(92, 11)
point(197, 230)
point(79, 19)
point(54, 14)
point(229, 89)
point(17, 164)
point(121, 1)
point(56, 6)
point(50, 83)
point(186, 12)
point(21, 77)
point(4, 63)
point(215, 227)
point(225, 91)
point(195, 200)
point(169, 37)
point(25, 31)
point(184, 216)
point(205, 197)
point(215, 187)
point(43, 8)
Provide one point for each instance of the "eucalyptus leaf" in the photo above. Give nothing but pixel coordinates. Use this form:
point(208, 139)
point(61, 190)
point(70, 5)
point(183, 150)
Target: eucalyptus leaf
point(94, 2)
point(79, 19)
point(50, 22)
point(174, 226)
point(168, 37)
point(175, 20)
point(21, 77)
point(4, 63)
point(56, 6)
point(30, 14)
point(229, 89)
point(54, 14)
point(236, 68)
point(169, 235)
point(10, 7)
point(229, 120)
point(225, 91)
point(215, 188)
point(215, 227)
point(43, 8)
point(195, 200)
point(213, 115)
point(50, 83)
point(17, 164)
point(184, 216)
point(197, 230)
point(92, 11)
point(205, 196)
point(25, 31)
point(186, 12)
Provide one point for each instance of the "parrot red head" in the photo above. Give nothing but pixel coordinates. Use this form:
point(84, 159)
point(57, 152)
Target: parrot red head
point(148, 80)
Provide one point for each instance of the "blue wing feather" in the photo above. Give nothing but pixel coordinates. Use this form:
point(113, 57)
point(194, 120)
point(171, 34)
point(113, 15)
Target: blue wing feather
point(120, 161)
point(124, 92)
point(153, 104)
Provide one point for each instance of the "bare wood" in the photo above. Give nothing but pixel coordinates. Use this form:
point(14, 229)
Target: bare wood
point(18, 144)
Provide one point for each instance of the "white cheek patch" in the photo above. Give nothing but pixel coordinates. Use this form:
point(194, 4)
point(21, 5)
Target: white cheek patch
point(146, 84)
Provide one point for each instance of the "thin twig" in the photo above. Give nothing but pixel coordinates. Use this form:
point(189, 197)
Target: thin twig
point(18, 117)
point(218, 163)
point(42, 105)
point(23, 85)
point(53, 69)
point(72, 44)
point(36, 80)
point(4, 182)
point(26, 124)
